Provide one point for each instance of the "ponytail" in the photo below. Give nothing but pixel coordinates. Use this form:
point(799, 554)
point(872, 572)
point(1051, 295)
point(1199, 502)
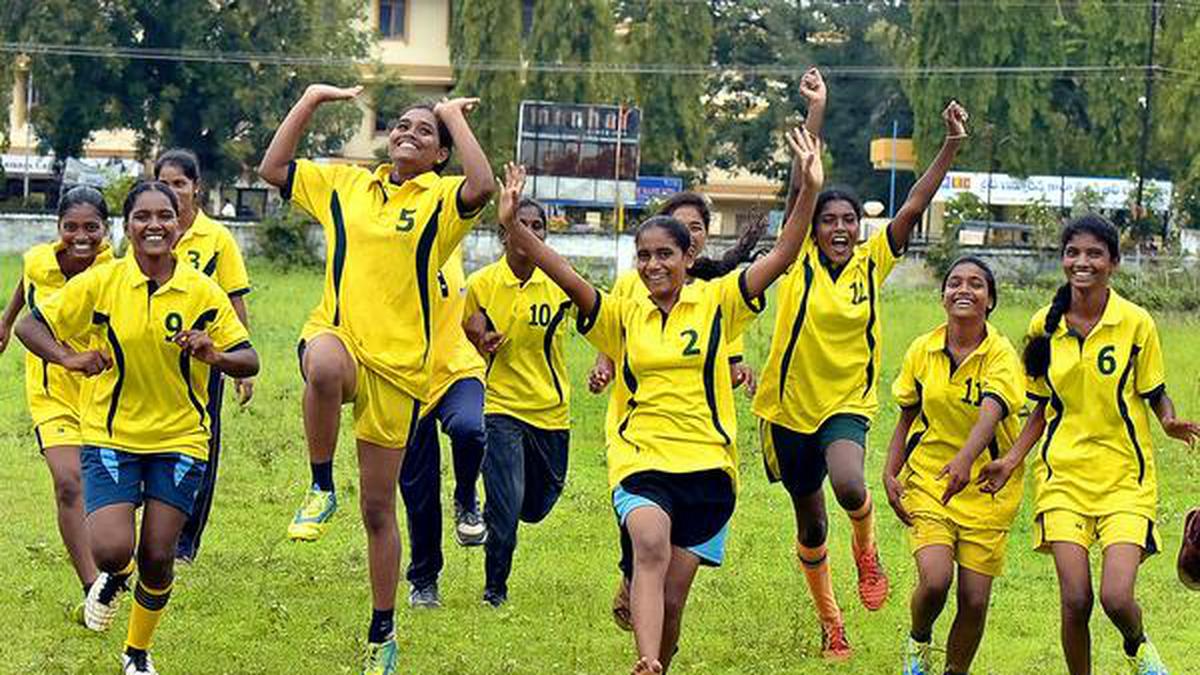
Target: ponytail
point(1037, 350)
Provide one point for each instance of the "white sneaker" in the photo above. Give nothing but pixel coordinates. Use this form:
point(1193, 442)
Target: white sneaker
point(138, 663)
point(469, 528)
point(98, 615)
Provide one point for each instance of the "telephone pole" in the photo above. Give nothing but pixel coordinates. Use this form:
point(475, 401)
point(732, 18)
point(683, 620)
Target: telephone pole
point(1150, 68)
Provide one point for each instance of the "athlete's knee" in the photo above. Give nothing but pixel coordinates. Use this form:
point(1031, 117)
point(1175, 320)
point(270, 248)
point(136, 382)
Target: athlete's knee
point(973, 603)
point(674, 600)
point(1118, 602)
point(464, 429)
point(156, 563)
point(934, 585)
point(378, 512)
point(68, 490)
point(112, 554)
point(1077, 602)
point(851, 493)
point(651, 550)
point(325, 372)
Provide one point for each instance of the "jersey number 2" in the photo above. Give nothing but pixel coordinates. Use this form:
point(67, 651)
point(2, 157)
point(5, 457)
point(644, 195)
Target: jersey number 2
point(693, 337)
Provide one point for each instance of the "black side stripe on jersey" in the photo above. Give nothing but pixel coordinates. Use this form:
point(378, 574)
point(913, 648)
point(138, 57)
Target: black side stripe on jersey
point(710, 371)
point(994, 448)
point(99, 319)
point(548, 346)
point(424, 253)
point(631, 384)
point(211, 267)
point(31, 303)
point(786, 363)
point(870, 328)
point(915, 439)
point(1059, 410)
point(339, 254)
point(491, 327)
point(1123, 407)
point(185, 366)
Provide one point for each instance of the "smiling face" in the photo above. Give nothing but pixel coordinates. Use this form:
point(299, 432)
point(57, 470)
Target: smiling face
point(965, 293)
point(1087, 262)
point(693, 220)
point(185, 188)
point(837, 230)
point(152, 224)
point(81, 230)
point(661, 263)
point(413, 143)
point(530, 217)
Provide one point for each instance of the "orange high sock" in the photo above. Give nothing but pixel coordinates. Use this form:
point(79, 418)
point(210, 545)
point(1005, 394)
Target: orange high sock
point(862, 520)
point(815, 563)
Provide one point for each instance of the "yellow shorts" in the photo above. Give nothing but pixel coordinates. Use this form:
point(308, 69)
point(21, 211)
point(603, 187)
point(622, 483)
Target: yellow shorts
point(384, 414)
point(1061, 525)
point(57, 432)
point(977, 549)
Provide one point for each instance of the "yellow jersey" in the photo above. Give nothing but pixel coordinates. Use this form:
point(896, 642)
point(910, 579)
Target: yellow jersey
point(1097, 457)
point(384, 246)
point(152, 399)
point(629, 285)
point(527, 376)
point(209, 246)
point(679, 417)
point(949, 398)
point(454, 357)
point(825, 349)
point(50, 390)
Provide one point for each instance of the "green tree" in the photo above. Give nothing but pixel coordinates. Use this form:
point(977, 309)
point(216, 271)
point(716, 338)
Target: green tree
point(226, 112)
point(571, 33)
point(674, 124)
point(489, 31)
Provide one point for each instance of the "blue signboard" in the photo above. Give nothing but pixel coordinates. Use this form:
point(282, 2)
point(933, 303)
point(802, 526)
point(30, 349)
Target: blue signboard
point(650, 188)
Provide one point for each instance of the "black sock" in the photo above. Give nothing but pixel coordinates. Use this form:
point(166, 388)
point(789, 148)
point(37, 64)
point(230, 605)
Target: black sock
point(1131, 646)
point(923, 639)
point(322, 475)
point(382, 625)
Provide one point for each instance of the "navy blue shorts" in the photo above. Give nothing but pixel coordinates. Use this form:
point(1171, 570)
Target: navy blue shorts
point(798, 460)
point(112, 476)
point(699, 504)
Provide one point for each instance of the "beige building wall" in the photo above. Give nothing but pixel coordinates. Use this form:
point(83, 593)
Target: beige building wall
point(738, 197)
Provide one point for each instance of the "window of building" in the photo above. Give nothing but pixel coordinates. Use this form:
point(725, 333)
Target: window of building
point(393, 15)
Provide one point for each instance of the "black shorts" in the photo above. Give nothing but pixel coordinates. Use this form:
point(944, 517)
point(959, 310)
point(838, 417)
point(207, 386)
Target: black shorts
point(699, 505)
point(798, 460)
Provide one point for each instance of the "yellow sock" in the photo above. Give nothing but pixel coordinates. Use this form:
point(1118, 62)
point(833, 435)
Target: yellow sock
point(815, 563)
point(862, 520)
point(148, 607)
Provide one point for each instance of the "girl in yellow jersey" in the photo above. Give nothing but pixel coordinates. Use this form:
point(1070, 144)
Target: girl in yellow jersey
point(1095, 370)
point(153, 329)
point(528, 409)
point(692, 210)
point(816, 394)
point(388, 232)
point(51, 391)
point(208, 246)
point(959, 391)
point(673, 463)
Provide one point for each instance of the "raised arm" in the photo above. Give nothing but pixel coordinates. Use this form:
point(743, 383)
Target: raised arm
point(764, 271)
point(581, 293)
point(900, 229)
point(993, 476)
point(895, 461)
point(282, 151)
point(812, 88)
point(480, 183)
point(9, 318)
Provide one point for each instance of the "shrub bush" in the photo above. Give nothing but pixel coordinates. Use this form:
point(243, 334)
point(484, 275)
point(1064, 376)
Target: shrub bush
point(283, 238)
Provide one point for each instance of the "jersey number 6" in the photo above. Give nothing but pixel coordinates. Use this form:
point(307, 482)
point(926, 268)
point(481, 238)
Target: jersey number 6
point(1105, 361)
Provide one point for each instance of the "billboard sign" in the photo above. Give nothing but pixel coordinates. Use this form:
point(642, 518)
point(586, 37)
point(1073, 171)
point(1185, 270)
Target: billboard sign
point(576, 153)
point(1006, 190)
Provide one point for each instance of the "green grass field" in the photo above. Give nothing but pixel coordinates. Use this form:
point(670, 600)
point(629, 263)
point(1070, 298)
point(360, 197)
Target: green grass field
point(256, 603)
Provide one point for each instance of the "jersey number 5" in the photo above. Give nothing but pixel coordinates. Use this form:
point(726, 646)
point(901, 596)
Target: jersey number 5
point(407, 222)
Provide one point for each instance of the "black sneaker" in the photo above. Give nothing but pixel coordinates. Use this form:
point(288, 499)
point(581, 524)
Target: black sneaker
point(425, 597)
point(494, 599)
point(469, 529)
